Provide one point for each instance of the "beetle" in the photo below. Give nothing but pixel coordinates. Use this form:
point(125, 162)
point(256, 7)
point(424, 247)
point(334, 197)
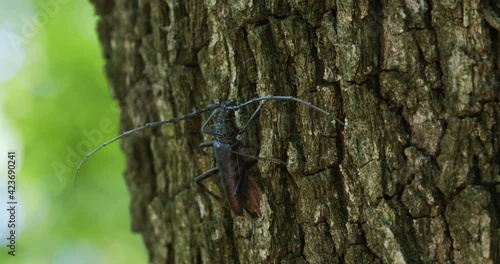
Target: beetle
point(240, 191)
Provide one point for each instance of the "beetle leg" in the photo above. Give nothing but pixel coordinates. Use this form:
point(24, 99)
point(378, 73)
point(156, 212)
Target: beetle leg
point(241, 174)
point(259, 158)
point(207, 144)
point(204, 129)
point(251, 118)
point(204, 176)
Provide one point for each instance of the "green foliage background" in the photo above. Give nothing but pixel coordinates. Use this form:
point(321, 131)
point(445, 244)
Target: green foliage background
point(60, 93)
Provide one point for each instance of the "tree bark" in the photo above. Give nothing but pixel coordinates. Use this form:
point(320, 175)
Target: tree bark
point(412, 177)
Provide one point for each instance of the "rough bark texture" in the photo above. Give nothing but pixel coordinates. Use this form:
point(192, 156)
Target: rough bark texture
point(413, 177)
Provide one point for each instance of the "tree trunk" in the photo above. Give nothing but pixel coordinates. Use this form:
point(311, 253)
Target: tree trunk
point(412, 177)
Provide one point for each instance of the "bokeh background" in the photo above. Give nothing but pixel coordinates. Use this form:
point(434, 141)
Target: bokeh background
point(56, 106)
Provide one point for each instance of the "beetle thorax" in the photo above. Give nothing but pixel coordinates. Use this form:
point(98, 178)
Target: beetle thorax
point(225, 129)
